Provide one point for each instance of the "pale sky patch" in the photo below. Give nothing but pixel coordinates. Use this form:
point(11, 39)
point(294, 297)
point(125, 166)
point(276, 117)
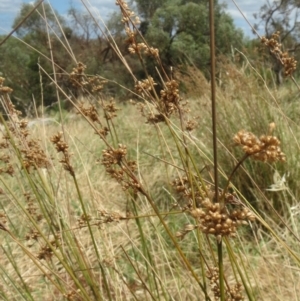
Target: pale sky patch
point(248, 7)
point(9, 6)
point(9, 10)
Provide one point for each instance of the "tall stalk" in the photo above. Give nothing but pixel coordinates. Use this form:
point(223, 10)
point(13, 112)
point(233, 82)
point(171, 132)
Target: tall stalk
point(214, 130)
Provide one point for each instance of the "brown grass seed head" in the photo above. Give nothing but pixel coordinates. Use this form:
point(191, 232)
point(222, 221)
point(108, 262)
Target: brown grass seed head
point(289, 63)
point(62, 146)
point(265, 149)
point(4, 89)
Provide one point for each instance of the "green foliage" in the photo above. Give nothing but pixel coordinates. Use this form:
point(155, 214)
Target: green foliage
point(180, 30)
point(13, 54)
point(30, 82)
point(36, 24)
point(147, 8)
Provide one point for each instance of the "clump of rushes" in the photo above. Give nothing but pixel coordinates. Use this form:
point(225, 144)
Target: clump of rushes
point(289, 63)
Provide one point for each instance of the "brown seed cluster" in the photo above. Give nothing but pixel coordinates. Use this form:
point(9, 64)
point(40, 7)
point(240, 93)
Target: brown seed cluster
point(104, 217)
point(114, 156)
point(62, 146)
point(213, 276)
point(110, 109)
point(4, 89)
point(191, 125)
point(46, 252)
point(266, 148)
point(169, 98)
point(78, 77)
point(165, 106)
point(32, 155)
point(289, 63)
point(183, 232)
point(167, 102)
point(31, 207)
point(142, 48)
point(144, 87)
point(217, 219)
point(130, 22)
point(90, 112)
point(70, 296)
point(32, 234)
point(183, 188)
point(5, 166)
point(211, 217)
point(3, 221)
point(85, 83)
point(83, 220)
point(116, 165)
point(109, 217)
point(235, 293)
point(232, 294)
point(96, 83)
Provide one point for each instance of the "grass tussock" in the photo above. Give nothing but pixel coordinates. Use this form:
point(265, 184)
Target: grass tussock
point(116, 201)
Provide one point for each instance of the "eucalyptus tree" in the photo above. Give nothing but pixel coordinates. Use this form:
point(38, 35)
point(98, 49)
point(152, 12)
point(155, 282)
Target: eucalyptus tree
point(180, 29)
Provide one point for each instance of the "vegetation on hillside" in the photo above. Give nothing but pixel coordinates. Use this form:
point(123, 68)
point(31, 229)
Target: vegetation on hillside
point(147, 182)
point(178, 29)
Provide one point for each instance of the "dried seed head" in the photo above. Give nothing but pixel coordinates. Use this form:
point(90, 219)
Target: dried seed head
point(77, 76)
point(289, 63)
point(62, 146)
point(90, 112)
point(116, 165)
point(145, 86)
point(197, 213)
point(32, 155)
point(221, 221)
point(266, 148)
point(4, 89)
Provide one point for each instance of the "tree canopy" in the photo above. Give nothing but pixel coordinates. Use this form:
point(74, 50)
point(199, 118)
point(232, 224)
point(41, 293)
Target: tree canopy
point(180, 29)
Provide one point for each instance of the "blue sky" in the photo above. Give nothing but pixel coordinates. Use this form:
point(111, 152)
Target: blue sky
point(10, 8)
